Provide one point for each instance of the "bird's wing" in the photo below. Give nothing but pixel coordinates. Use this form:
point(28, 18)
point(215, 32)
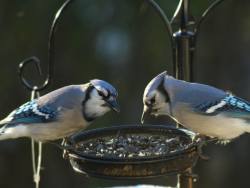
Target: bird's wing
point(49, 107)
point(31, 112)
point(229, 105)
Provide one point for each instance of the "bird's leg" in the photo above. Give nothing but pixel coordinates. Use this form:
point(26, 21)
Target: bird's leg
point(73, 144)
point(65, 148)
point(211, 139)
point(203, 139)
point(70, 140)
point(70, 147)
point(199, 151)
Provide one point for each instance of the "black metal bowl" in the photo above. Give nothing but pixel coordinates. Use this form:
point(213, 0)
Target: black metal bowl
point(135, 167)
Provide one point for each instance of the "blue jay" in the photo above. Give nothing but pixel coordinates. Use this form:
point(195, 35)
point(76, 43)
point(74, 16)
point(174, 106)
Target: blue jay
point(200, 108)
point(61, 113)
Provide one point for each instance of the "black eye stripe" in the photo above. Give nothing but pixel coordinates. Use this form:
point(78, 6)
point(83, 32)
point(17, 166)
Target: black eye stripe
point(103, 96)
point(152, 100)
point(101, 93)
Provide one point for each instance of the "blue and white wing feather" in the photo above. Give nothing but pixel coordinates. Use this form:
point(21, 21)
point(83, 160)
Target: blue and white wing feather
point(31, 112)
point(230, 106)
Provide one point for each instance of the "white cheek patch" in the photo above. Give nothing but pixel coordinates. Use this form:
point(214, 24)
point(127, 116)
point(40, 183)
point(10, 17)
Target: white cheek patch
point(95, 96)
point(160, 97)
point(163, 109)
point(95, 106)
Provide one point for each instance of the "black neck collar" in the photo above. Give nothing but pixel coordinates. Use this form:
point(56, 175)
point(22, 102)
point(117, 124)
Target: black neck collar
point(162, 90)
point(87, 97)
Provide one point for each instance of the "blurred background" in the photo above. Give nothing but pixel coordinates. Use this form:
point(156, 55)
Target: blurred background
point(125, 43)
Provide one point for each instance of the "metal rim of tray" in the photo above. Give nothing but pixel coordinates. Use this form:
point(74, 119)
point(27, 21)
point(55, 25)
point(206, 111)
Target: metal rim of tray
point(125, 128)
point(130, 177)
point(77, 159)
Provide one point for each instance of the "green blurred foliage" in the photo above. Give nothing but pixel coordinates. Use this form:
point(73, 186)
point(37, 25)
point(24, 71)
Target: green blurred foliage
point(125, 43)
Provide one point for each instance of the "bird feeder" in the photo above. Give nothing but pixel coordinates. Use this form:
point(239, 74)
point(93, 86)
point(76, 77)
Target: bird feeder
point(140, 167)
point(154, 165)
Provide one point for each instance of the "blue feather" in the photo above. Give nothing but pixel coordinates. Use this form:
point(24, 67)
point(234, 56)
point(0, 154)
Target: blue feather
point(235, 107)
point(32, 113)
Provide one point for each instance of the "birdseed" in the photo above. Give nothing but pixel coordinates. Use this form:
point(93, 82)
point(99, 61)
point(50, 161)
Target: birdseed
point(131, 145)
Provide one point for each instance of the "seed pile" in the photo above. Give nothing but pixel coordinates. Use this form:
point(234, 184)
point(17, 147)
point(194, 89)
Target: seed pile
point(131, 145)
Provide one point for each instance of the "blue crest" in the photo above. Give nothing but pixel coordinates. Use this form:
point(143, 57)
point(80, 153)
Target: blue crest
point(102, 86)
point(153, 84)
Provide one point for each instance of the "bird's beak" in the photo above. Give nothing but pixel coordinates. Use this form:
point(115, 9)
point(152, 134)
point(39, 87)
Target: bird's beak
point(113, 105)
point(145, 114)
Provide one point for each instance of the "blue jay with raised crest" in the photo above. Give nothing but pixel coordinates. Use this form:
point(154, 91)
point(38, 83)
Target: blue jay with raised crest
point(61, 113)
point(200, 108)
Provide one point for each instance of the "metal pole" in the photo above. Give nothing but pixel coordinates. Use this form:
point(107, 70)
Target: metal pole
point(184, 71)
point(184, 182)
point(184, 66)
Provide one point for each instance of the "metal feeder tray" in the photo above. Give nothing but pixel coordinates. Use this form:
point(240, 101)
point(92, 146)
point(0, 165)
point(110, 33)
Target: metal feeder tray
point(135, 167)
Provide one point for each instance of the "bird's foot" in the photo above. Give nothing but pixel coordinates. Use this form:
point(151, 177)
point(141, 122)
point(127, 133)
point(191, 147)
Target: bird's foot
point(70, 140)
point(202, 137)
point(73, 145)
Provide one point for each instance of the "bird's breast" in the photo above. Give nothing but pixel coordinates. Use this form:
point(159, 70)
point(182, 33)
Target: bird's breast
point(214, 126)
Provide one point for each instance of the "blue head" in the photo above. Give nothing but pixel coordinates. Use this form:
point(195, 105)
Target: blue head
point(156, 98)
point(103, 87)
point(100, 98)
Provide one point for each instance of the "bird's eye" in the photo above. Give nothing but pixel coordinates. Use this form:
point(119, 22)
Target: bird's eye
point(152, 100)
point(101, 94)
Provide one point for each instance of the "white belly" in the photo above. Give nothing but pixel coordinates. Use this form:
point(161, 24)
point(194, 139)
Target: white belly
point(53, 131)
point(214, 126)
point(70, 124)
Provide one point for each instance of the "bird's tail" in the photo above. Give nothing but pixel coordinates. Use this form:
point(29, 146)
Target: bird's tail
point(2, 133)
point(10, 131)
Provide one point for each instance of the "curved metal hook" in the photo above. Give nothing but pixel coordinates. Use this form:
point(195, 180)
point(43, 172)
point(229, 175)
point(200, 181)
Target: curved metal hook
point(21, 67)
point(165, 19)
point(204, 16)
point(51, 54)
